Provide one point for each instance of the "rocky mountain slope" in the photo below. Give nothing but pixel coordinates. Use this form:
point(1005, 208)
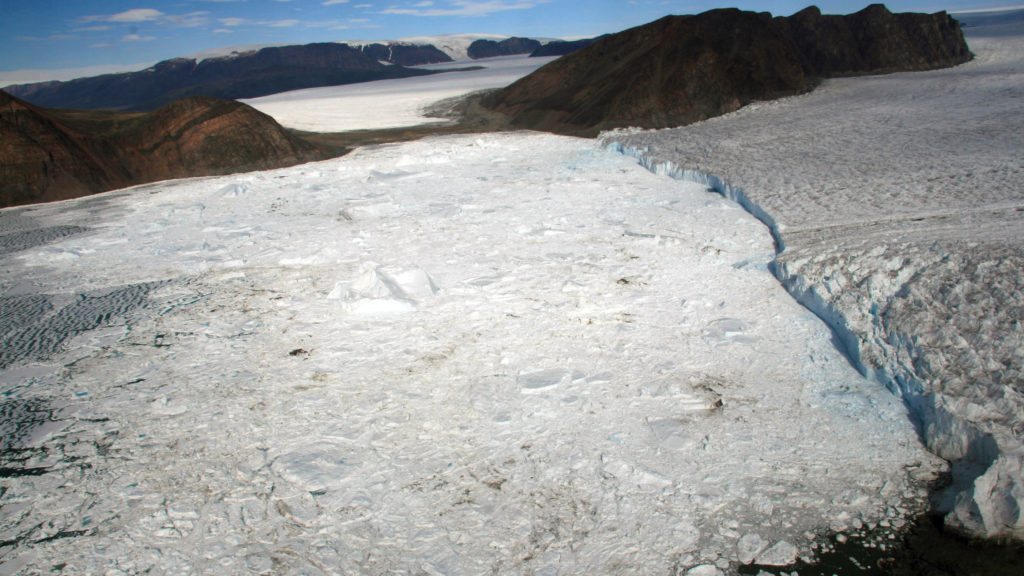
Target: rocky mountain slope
point(405, 54)
point(56, 154)
point(563, 47)
point(247, 75)
point(681, 69)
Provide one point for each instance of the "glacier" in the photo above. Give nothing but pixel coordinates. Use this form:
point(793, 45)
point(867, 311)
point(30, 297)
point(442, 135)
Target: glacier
point(895, 203)
point(513, 352)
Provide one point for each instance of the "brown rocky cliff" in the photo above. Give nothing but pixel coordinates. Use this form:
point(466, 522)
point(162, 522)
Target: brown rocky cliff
point(55, 154)
point(874, 41)
point(203, 136)
point(682, 69)
point(42, 160)
point(657, 75)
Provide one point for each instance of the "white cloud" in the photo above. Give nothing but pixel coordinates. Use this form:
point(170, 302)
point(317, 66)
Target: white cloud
point(462, 8)
point(139, 15)
point(333, 2)
point(235, 22)
point(137, 38)
point(191, 20)
point(223, 31)
point(136, 15)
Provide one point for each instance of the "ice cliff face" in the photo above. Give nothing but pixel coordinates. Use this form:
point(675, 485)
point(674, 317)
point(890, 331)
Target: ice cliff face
point(896, 207)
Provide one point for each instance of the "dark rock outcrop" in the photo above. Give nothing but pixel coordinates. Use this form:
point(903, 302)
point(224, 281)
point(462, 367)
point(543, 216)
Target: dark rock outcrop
point(563, 47)
point(874, 41)
point(508, 47)
point(53, 154)
point(246, 75)
point(41, 160)
point(405, 54)
point(682, 69)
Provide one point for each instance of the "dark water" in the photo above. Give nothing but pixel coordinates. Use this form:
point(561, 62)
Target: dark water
point(924, 549)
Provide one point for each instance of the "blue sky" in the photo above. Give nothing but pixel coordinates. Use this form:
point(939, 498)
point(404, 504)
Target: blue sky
point(64, 34)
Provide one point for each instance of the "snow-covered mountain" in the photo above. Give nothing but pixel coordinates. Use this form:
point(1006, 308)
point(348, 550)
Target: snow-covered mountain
point(455, 46)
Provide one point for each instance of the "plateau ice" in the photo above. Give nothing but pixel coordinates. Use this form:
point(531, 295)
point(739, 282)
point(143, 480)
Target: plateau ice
point(512, 353)
point(391, 103)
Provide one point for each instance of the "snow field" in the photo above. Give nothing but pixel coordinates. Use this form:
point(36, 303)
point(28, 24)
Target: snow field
point(390, 103)
point(516, 353)
point(897, 205)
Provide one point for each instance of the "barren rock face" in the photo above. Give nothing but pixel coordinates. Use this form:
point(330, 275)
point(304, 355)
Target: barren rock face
point(405, 54)
point(681, 69)
point(40, 160)
point(200, 136)
point(507, 47)
point(49, 155)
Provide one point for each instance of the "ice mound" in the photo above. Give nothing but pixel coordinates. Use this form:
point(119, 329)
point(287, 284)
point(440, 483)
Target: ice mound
point(537, 380)
point(378, 292)
point(314, 468)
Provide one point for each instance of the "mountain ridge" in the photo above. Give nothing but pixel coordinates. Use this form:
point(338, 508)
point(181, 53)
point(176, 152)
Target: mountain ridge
point(682, 69)
point(251, 72)
point(246, 75)
point(50, 155)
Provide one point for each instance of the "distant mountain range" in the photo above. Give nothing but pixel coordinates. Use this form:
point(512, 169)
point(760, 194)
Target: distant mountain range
point(248, 75)
point(57, 154)
point(674, 71)
point(259, 72)
point(681, 69)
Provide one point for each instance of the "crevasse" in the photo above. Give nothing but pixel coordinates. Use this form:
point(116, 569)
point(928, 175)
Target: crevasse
point(982, 500)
